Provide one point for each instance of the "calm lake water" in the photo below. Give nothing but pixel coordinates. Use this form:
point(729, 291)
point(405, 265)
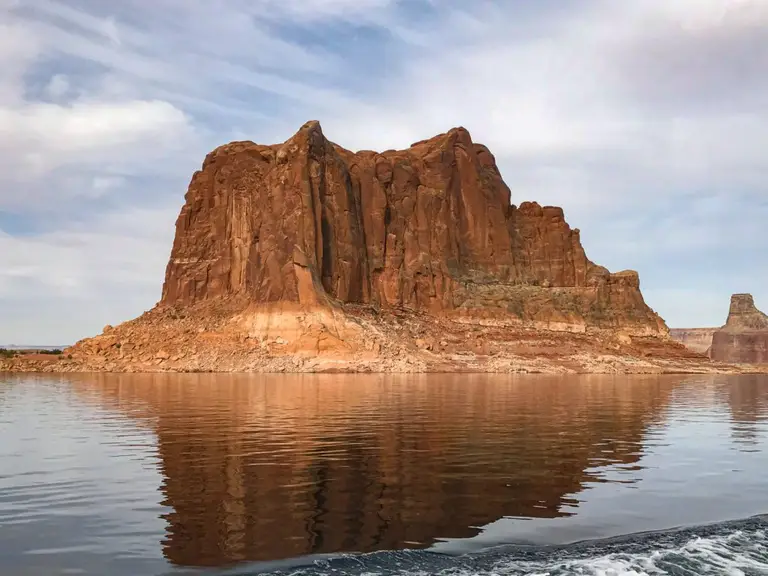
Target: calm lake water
point(450, 474)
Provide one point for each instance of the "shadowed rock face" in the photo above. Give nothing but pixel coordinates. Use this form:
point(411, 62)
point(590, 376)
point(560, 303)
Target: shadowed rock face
point(429, 228)
point(744, 338)
point(696, 339)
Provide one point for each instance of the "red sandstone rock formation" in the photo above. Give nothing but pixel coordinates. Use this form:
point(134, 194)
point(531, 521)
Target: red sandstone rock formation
point(429, 228)
point(744, 337)
point(307, 257)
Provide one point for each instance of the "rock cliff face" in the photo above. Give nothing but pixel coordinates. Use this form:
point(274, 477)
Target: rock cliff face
point(744, 337)
point(430, 228)
point(696, 339)
point(304, 256)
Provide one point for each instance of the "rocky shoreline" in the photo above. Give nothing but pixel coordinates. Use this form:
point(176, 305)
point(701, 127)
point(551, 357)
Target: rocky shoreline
point(366, 341)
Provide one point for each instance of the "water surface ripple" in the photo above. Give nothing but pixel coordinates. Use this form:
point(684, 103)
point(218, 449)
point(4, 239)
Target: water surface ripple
point(461, 474)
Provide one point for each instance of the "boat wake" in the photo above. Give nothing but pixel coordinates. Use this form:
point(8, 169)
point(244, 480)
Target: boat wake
point(734, 549)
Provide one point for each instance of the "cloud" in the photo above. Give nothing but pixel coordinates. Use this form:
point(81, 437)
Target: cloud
point(59, 286)
point(647, 120)
point(58, 87)
point(67, 134)
point(321, 10)
point(39, 138)
point(133, 246)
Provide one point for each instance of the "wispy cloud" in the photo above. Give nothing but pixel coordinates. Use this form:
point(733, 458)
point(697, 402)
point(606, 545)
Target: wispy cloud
point(646, 119)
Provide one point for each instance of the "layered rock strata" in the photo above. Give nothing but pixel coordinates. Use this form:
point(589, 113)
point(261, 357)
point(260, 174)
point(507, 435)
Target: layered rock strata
point(304, 256)
point(696, 339)
point(744, 337)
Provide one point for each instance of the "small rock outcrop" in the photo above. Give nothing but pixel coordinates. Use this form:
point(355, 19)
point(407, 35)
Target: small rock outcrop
point(744, 337)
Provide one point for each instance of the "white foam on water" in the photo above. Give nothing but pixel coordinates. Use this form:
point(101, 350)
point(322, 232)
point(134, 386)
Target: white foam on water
point(740, 552)
point(737, 554)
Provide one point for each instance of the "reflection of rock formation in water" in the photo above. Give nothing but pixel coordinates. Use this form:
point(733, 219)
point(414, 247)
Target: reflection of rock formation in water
point(323, 464)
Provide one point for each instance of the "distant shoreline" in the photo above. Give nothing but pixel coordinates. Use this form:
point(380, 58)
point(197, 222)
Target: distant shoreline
point(32, 348)
point(593, 365)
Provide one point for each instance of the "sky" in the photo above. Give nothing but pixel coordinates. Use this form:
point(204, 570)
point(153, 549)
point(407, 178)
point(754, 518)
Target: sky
point(646, 120)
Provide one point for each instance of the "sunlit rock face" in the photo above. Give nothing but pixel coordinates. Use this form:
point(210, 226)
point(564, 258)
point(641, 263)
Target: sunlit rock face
point(429, 228)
